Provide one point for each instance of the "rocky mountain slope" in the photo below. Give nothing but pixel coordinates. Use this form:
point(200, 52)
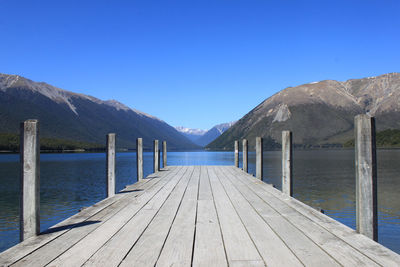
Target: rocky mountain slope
point(79, 117)
point(319, 113)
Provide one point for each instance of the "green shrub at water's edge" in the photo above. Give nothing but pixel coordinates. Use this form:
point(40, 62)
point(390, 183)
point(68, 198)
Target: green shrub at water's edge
point(10, 142)
point(386, 138)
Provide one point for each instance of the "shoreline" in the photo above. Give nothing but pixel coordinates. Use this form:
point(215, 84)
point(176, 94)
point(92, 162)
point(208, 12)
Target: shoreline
point(81, 151)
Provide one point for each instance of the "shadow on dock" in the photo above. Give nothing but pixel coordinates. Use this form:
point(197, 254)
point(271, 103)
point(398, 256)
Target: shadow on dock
point(130, 191)
point(66, 227)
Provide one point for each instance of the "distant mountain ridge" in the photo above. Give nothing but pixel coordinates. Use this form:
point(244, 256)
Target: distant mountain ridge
point(214, 133)
point(190, 131)
point(73, 116)
point(319, 113)
point(191, 134)
point(204, 137)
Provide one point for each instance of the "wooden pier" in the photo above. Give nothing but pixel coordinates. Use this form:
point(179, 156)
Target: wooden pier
point(199, 216)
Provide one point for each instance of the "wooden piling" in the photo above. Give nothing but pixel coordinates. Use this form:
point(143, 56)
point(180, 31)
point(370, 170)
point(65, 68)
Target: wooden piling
point(110, 164)
point(245, 155)
point(156, 156)
point(237, 153)
point(29, 179)
point(259, 158)
point(139, 158)
point(159, 159)
point(287, 163)
point(164, 153)
point(366, 176)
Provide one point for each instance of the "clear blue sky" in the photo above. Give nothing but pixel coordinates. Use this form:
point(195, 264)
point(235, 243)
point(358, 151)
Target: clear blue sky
point(196, 63)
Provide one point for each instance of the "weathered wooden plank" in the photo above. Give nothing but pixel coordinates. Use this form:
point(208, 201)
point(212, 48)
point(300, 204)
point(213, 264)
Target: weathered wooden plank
point(110, 166)
point(86, 247)
point(366, 177)
point(178, 247)
point(29, 219)
point(274, 252)
point(246, 263)
point(238, 244)
point(345, 240)
point(209, 246)
point(147, 249)
point(59, 245)
point(114, 251)
point(305, 250)
point(17, 252)
point(204, 185)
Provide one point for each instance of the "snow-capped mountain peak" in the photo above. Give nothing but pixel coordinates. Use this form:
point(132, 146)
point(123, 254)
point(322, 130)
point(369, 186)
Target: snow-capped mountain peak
point(190, 131)
point(203, 137)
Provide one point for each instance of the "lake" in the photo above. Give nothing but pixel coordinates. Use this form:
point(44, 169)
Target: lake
point(323, 179)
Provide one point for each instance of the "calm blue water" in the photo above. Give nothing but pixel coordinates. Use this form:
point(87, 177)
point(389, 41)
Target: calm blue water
point(323, 179)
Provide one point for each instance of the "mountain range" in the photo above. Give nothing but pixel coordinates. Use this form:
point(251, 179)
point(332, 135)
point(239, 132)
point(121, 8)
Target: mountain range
point(191, 134)
point(204, 137)
point(67, 115)
point(319, 113)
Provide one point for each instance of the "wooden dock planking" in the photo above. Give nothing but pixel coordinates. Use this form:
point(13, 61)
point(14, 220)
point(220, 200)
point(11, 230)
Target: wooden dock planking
point(45, 254)
point(303, 236)
point(274, 252)
point(209, 246)
point(147, 249)
point(238, 244)
point(200, 216)
point(287, 244)
point(176, 250)
point(335, 247)
point(114, 251)
point(85, 248)
point(348, 239)
point(15, 253)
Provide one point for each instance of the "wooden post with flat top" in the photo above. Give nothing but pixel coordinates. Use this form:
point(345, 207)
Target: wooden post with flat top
point(245, 155)
point(259, 158)
point(139, 158)
point(29, 179)
point(164, 153)
point(237, 153)
point(287, 163)
point(366, 176)
point(156, 156)
point(110, 164)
